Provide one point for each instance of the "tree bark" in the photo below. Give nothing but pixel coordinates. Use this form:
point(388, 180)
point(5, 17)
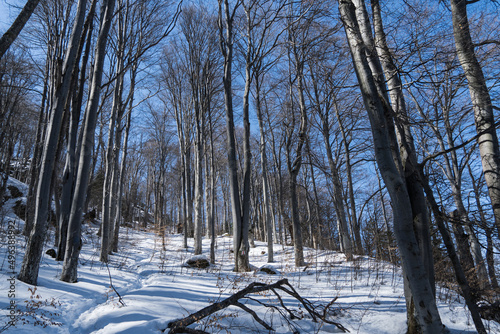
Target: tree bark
point(31, 260)
point(468, 294)
point(407, 150)
point(295, 164)
point(338, 189)
point(111, 152)
point(69, 173)
point(481, 102)
point(240, 231)
point(376, 105)
point(74, 243)
point(269, 222)
point(11, 34)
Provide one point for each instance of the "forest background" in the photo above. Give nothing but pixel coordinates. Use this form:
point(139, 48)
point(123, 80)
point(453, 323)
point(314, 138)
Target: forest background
point(368, 128)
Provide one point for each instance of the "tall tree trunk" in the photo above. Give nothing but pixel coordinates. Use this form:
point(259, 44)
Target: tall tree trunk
point(69, 173)
point(189, 193)
point(121, 173)
point(198, 181)
point(117, 219)
point(407, 153)
point(183, 151)
point(269, 222)
point(376, 105)
point(350, 186)
point(35, 162)
point(487, 138)
point(468, 294)
point(294, 168)
point(111, 152)
point(338, 188)
point(240, 231)
point(11, 34)
point(74, 243)
point(211, 195)
point(31, 260)
point(115, 185)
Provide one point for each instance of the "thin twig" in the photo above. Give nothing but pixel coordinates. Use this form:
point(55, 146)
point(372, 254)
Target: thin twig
point(120, 299)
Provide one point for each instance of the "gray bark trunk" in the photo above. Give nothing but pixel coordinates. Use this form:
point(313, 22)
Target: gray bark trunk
point(355, 226)
point(198, 183)
point(111, 152)
point(211, 195)
point(70, 167)
point(11, 34)
point(338, 189)
point(74, 243)
point(240, 232)
point(269, 222)
point(34, 168)
point(407, 151)
point(31, 260)
point(384, 142)
point(481, 102)
point(450, 248)
point(295, 164)
point(118, 212)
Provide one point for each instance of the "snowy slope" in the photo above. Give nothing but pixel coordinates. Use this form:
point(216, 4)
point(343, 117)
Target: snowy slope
point(156, 288)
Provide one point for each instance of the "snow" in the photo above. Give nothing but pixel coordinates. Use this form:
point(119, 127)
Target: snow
point(156, 288)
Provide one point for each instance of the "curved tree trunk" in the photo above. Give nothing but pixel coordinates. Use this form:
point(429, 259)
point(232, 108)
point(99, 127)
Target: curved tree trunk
point(407, 151)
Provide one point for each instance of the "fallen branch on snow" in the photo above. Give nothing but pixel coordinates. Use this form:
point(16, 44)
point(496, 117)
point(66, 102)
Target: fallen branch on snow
point(316, 312)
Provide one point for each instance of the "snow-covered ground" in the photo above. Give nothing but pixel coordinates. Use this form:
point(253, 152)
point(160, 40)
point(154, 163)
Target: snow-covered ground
point(156, 288)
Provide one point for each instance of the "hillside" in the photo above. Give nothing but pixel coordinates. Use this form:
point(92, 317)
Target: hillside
point(156, 288)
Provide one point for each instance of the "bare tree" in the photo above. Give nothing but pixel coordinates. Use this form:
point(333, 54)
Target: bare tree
point(481, 101)
point(324, 97)
point(31, 260)
point(240, 207)
point(73, 246)
point(177, 95)
point(368, 70)
point(261, 38)
point(199, 31)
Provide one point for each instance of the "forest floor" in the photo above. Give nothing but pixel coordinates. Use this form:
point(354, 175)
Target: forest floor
point(155, 288)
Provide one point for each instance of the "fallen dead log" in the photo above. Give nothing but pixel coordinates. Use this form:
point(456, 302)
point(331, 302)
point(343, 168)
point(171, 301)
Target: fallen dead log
point(317, 312)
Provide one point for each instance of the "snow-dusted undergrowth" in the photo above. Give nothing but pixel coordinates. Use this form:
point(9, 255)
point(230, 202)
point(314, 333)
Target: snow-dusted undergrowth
point(156, 288)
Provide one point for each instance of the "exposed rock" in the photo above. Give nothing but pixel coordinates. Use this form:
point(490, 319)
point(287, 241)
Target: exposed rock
point(51, 252)
point(20, 209)
point(268, 269)
point(15, 192)
point(198, 261)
